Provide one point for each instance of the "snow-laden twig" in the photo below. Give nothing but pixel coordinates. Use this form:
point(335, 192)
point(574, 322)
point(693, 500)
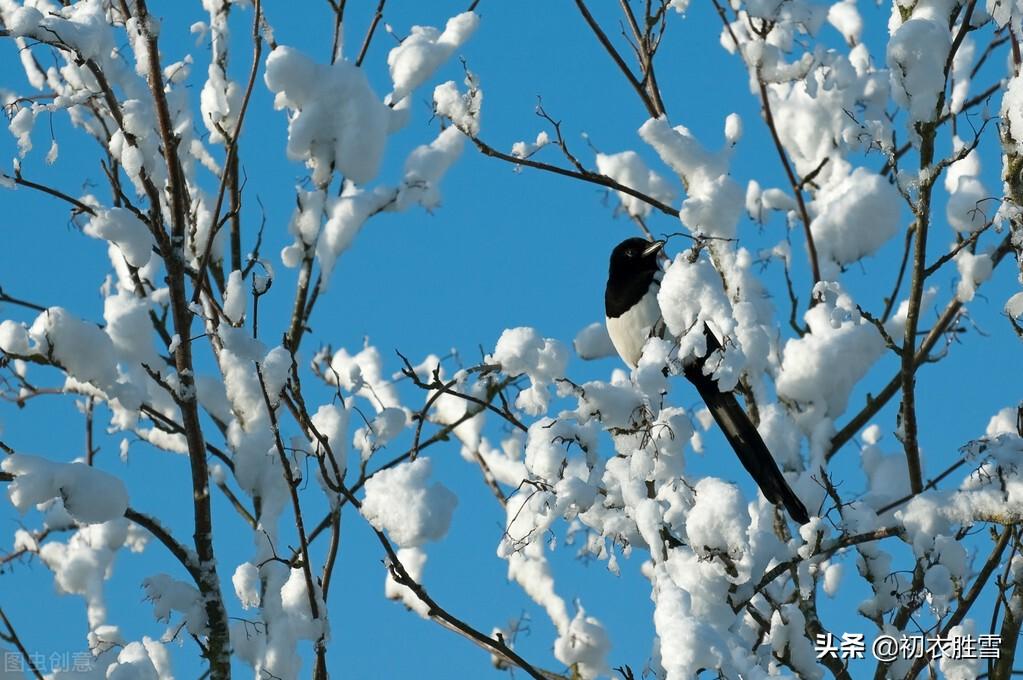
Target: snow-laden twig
point(230, 171)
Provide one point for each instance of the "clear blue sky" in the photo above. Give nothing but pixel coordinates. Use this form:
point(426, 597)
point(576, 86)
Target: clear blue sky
point(504, 249)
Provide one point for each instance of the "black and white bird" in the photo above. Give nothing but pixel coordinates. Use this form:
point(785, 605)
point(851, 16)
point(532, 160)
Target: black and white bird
point(633, 316)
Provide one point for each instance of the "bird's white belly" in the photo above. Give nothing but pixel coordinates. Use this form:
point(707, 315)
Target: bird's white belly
point(630, 331)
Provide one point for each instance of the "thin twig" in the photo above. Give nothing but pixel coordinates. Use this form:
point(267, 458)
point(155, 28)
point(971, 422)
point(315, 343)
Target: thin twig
point(232, 157)
point(4, 297)
point(160, 533)
point(644, 96)
point(21, 181)
point(377, 17)
point(588, 176)
point(12, 635)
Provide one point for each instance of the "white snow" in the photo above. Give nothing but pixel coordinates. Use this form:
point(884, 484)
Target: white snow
point(401, 502)
point(523, 350)
point(973, 271)
point(714, 201)
point(547, 455)
point(967, 667)
point(14, 338)
point(247, 584)
point(788, 636)
point(220, 101)
point(962, 65)
point(21, 127)
point(347, 214)
point(1013, 307)
point(387, 425)
point(691, 295)
point(584, 646)
point(363, 374)
point(129, 328)
point(628, 168)
point(423, 51)
point(856, 214)
point(145, 660)
point(581, 639)
point(425, 167)
point(240, 382)
point(1004, 11)
point(234, 298)
point(820, 369)
point(713, 208)
point(90, 495)
point(592, 342)
point(687, 641)
point(337, 120)
point(331, 421)
point(85, 561)
point(23, 21)
point(1002, 422)
point(463, 110)
point(967, 211)
point(733, 128)
point(169, 595)
point(414, 560)
point(833, 578)
point(846, 19)
point(682, 152)
point(887, 474)
point(916, 58)
point(221, 97)
point(294, 595)
point(449, 408)
point(1012, 111)
point(142, 154)
point(275, 367)
point(719, 518)
point(84, 350)
point(527, 149)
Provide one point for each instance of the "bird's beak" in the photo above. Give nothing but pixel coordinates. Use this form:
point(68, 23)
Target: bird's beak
point(653, 248)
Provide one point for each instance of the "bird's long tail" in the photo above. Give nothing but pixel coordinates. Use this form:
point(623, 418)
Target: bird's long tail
point(744, 438)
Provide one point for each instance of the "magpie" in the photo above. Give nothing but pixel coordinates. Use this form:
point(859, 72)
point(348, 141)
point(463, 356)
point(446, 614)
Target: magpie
point(633, 316)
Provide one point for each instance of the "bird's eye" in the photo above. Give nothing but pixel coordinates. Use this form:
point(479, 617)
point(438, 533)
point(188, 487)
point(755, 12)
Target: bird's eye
point(630, 253)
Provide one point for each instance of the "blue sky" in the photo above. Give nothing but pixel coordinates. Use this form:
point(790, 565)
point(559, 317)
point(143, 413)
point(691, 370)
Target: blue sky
point(505, 249)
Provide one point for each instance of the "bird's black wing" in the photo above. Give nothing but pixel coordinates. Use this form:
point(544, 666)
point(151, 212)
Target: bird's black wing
point(743, 436)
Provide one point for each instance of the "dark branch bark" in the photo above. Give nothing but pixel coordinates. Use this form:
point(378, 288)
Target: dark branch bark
point(644, 96)
point(218, 643)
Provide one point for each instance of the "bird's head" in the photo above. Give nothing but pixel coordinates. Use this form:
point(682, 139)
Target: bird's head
point(634, 258)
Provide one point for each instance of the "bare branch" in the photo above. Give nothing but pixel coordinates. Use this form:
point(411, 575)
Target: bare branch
point(12, 635)
point(377, 17)
point(650, 105)
point(79, 207)
point(587, 176)
point(230, 166)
